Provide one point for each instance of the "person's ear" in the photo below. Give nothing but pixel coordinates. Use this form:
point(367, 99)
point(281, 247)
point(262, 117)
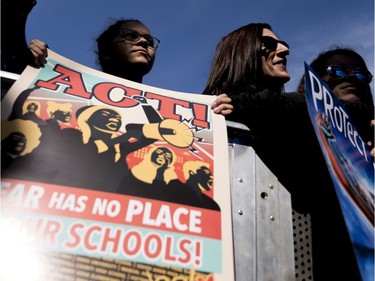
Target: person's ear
point(104, 59)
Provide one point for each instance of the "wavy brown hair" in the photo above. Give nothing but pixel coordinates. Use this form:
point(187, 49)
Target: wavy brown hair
point(237, 63)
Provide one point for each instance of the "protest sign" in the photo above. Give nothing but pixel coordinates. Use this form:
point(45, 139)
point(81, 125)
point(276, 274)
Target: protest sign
point(107, 179)
point(350, 165)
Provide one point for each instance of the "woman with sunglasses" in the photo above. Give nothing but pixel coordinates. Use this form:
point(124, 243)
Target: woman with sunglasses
point(347, 75)
point(247, 62)
point(249, 66)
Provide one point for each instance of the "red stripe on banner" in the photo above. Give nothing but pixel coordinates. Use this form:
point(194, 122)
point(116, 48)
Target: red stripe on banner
point(109, 207)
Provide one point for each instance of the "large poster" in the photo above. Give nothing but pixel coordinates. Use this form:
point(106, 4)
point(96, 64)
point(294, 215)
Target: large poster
point(107, 179)
point(350, 164)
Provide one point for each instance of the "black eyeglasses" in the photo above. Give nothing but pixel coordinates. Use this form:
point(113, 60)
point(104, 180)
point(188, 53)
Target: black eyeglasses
point(134, 36)
point(339, 71)
point(270, 43)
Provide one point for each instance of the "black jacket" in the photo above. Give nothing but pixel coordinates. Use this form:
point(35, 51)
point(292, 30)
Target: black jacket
point(283, 137)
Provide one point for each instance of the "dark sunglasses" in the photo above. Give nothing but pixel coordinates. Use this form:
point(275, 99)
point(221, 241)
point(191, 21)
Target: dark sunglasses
point(339, 71)
point(270, 43)
point(134, 36)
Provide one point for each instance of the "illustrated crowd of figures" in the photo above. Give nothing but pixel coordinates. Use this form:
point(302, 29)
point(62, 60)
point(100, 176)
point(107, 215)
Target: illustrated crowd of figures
point(94, 154)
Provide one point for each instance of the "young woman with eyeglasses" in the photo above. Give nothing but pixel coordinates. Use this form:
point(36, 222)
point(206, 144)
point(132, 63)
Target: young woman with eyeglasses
point(248, 72)
point(127, 49)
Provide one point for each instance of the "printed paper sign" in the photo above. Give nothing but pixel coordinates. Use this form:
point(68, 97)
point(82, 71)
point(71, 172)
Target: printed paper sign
point(108, 179)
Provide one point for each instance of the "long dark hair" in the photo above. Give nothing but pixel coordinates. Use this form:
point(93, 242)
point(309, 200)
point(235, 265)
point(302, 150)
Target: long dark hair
point(237, 63)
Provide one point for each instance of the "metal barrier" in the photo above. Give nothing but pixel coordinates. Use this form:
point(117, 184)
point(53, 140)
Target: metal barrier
point(262, 218)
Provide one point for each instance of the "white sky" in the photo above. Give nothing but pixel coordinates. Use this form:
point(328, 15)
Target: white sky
point(189, 31)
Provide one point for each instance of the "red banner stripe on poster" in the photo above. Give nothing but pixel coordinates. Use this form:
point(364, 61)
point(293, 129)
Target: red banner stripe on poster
point(109, 207)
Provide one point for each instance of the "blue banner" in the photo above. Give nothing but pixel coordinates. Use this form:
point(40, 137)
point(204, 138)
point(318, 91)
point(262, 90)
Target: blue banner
point(350, 165)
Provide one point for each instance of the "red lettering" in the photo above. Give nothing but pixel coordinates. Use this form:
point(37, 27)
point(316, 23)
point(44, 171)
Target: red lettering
point(167, 108)
point(76, 237)
point(132, 238)
point(169, 249)
point(67, 77)
point(200, 115)
point(33, 227)
point(167, 105)
point(51, 230)
point(88, 234)
point(183, 245)
point(107, 93)
point(107, 239)
point(153, 241)
point(40, 229)
point(198, 246)
point(102, 92)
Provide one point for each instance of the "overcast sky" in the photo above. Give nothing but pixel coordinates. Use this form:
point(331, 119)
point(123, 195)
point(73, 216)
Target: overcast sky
point(189, 31)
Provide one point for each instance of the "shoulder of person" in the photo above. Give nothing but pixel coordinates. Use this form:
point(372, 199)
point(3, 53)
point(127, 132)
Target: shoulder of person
point(294, 99)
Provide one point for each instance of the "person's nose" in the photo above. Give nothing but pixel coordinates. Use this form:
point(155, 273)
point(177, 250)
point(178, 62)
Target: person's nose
point(142, 38)
point(282, 48)
point(351, 73)
point(142, 41)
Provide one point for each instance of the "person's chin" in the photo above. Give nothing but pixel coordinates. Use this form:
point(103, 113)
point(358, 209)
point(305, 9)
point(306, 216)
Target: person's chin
point(349, 94)
point(351, 97)
point(284, 77)
point(143, 64)
point(141, 60)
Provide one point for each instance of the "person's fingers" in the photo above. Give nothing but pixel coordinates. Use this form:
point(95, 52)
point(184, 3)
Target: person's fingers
point(224, 109)
point(42, 45)
point(37, 57)
point(222, 105)
point(39, 51)
point(39, 47)
point(214, 105)
point(223, 98)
